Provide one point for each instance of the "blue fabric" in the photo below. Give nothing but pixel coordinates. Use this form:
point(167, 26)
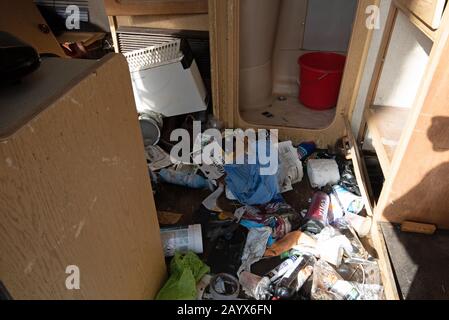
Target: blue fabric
point(249, 187)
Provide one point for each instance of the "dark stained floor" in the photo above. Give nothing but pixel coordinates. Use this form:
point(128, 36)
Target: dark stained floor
point(223, 254)
point(421, 263)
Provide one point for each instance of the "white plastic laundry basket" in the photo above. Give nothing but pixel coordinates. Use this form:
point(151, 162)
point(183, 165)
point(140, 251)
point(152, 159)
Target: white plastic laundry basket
point(154, 56)
point(164, 83)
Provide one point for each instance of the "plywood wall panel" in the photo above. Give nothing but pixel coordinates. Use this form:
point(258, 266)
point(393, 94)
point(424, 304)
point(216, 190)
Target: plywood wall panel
point(76, 191)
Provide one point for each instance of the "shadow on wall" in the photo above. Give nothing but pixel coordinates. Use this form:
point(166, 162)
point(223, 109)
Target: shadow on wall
point(421, 261)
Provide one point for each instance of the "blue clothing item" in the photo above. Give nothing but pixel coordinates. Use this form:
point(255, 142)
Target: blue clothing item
point(249, 186)
point(193, 181)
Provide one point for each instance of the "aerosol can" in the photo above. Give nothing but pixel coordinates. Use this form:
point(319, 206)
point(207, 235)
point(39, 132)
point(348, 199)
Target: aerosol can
point(317, 216)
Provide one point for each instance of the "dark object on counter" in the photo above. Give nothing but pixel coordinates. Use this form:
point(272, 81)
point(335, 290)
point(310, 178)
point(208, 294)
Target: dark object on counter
point(17, 59)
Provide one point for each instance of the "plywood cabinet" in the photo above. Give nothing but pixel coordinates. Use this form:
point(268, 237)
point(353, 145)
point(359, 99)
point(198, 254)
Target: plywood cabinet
point(75, 186)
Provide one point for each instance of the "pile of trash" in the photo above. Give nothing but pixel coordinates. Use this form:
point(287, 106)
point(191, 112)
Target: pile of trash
point(320, 254)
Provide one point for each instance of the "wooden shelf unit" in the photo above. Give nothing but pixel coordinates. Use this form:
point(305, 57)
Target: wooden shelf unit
point(426, 15)
point(386, 125)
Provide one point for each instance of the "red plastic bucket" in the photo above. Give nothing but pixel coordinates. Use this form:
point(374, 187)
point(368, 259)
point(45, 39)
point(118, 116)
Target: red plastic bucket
point(320, 79)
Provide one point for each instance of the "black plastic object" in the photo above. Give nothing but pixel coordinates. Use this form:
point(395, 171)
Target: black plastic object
point(17, 59)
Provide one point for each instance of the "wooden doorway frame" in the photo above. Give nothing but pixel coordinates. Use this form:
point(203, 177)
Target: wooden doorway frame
point(224, 31)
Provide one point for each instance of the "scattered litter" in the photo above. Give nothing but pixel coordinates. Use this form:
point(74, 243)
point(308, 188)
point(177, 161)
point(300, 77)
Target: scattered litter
point(168, 218)
point(349, 202)
point(256, 242)
point(296, 239)
point(229, 195)
point(369, 292)
point(348, 179)
point(306, 149)
point(151, 124)
point(358, 250)
point(362, 225)
point(294, 279)
point(280, 217)
point(290, 167)
point(226, 231)
point(202, 285)
point(335, 210)
point(182, 239)
point(321, 255)
point(212, 172)
point(332, 249)
point(329, 285)
point(186, 168)
point(323, 172)
point(210, 203)
point(255, 286)
point(185, 272)
point(157, 158)
point(224, 287)
point(193, 181)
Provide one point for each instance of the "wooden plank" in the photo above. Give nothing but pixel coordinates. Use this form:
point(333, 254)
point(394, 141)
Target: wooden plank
point(154, 7)
point(198, 22)
point(360, 171)
point(389, 25)
point(417, 190)
point(113, 26)
point(430, 33)
point(429, 12)
point(414, 227)
point(224, 28)
point(75, 191)
point(386, 271)
point(22, 19)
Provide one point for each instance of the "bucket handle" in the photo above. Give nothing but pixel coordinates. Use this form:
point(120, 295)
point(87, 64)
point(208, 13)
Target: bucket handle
point(316, 80)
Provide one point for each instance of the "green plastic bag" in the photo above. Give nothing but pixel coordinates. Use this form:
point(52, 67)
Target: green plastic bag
point(185, 272)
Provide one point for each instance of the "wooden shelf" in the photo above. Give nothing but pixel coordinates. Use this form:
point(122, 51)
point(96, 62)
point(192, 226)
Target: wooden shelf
point(155, 7)
point(386, 125)
point(425, 15)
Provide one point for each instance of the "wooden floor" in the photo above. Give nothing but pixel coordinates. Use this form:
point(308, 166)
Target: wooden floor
point(290, 113)
point(421, 263)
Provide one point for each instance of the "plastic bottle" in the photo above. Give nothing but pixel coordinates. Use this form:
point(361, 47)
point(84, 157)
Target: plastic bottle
point(294, 280)
point(282, 269)
point(305, 149)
